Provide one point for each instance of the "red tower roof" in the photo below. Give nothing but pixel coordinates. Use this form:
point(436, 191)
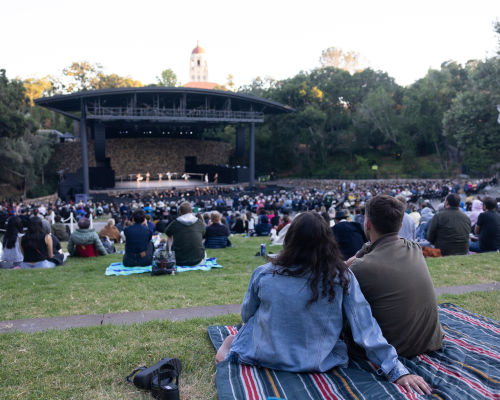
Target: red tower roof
point(197, 50)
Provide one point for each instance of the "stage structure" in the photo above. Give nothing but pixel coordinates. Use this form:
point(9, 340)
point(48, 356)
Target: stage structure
point(158, 111)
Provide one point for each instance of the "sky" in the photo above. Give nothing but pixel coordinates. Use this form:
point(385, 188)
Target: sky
point(272, 38)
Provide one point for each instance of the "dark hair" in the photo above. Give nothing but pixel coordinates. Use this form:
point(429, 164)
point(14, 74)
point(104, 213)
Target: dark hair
point(385, 213)
point(310, 248)
point(35, 233)
point(57, 218)
point(139, 216)
point(14, 226)
point(83, 223)
point(453, 200)
point(490, 203)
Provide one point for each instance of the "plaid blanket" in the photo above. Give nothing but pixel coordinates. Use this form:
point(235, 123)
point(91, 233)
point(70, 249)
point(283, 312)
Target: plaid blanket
point(468, 367)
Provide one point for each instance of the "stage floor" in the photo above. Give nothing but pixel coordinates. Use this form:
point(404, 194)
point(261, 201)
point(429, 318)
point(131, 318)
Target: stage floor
point(157, 185)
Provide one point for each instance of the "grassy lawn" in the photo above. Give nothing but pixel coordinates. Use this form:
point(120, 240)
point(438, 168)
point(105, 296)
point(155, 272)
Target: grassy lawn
point(80, 286)
point(91, 363)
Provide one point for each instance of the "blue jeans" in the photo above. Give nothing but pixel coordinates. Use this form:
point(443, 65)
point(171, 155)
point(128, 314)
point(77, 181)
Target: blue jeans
point(39, 264)
point(474, 246)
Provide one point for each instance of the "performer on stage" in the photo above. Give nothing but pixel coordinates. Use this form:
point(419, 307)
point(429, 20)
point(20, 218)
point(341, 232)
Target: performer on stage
point(206, 178)
point(147, 176)
point(169, 176)
point(186, 176)
point(216, 178)
point(160, 175)
point(139, 178)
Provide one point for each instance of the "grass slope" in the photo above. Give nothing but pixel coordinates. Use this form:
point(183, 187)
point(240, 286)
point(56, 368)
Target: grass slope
point(91, 363)
point(80, 286)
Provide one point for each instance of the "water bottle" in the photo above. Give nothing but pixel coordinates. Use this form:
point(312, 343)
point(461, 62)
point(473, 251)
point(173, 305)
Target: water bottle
point(263, 249)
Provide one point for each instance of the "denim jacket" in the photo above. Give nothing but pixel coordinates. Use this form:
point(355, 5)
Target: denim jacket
point(281, 332)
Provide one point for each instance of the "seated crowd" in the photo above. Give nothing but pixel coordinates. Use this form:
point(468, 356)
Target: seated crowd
point(351, 276)
point(455, 226)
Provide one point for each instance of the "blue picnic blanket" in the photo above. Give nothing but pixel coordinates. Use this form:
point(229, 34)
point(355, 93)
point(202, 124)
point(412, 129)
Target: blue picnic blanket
point(467, 367)
point(118, 268)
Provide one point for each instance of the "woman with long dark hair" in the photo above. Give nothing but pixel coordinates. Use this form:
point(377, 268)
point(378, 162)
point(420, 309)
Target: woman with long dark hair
point(293, 311)
point(36, 246)
point(11, 255)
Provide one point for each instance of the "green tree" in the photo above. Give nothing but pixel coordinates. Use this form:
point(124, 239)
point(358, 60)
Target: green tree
point(13, 107)
point(167, 78)
point(472, 118)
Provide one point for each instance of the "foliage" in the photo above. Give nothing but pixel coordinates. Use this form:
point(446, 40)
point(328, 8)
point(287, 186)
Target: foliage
point(115, 81)
point(167, 78)
point(13, 106)
point(472, 118)
point(81, 76)
point(338, 58)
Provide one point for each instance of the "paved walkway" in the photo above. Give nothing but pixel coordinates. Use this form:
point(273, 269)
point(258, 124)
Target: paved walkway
point(78, 321)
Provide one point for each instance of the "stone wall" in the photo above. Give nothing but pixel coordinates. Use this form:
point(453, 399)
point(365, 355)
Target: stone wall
point(130, 156)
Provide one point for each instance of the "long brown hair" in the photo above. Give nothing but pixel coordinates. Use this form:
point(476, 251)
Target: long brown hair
point(310, 248)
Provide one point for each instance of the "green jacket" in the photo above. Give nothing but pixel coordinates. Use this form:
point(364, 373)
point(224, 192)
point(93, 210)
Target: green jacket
point(84, 237)
point(394, 278)
point(449, 231)
point(188, 232)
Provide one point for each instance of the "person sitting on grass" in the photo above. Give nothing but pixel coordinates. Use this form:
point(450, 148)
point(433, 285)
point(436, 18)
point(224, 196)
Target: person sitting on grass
point(80, 240)
point(217, 234)
point(11, 255)
point(59, 229)
point(187, 233)
point(138, 245)
point(111, 231)
point(263, 227)
point(294, 306)
point(488, 228)
point(395, 280)
point(36, 246)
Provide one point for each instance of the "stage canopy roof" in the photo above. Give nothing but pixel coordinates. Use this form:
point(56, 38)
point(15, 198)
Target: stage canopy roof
point(164, 104)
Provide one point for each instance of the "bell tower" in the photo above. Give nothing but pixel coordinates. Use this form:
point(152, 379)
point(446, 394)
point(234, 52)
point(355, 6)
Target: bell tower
point(198, 66)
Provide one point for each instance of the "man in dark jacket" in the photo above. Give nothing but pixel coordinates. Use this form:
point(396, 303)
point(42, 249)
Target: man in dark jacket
point(349, 235)
point(187, 234)
point(138, 245)
point(450, 228)
point(488, 228)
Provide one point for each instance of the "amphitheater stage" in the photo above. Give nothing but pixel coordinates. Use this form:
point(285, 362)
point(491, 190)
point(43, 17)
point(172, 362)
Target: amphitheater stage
point(133, 186)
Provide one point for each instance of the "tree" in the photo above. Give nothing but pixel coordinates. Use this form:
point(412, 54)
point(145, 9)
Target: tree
point(115, 81)
point(36, 88)
point(167, 78)
point(81, 76)
point(13, 106)
point(230, 82)
point(472, 118)
point(338, 58)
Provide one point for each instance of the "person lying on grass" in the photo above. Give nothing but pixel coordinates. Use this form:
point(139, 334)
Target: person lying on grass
point(292, 311)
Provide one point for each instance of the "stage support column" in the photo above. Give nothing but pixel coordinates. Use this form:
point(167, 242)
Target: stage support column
point(252, 154)
point(99, 142)
point(83, 141)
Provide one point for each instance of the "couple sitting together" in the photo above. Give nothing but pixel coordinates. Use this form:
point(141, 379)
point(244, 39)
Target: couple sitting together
point(293, 311)
point(186, 233)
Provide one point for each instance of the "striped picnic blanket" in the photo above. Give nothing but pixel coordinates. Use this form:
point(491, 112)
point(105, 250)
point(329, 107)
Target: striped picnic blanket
point(468, 367)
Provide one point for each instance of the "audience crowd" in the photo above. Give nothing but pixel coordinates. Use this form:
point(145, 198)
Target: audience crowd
point(454, 217)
